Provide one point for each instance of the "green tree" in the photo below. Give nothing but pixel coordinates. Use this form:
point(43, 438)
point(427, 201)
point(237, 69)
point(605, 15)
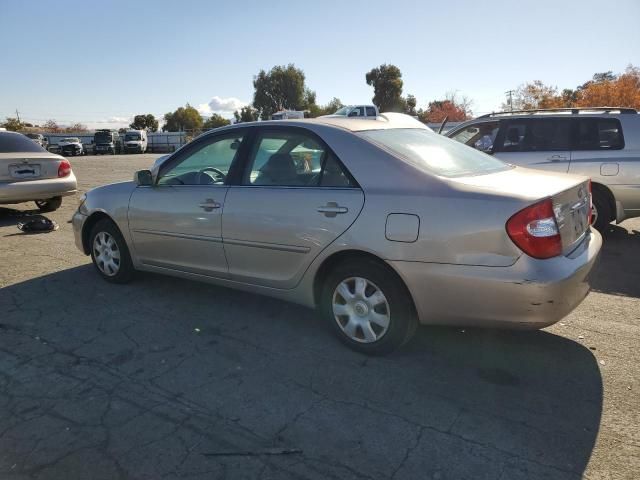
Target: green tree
point(215, 121)
point(410, 105)
point(246, 114)
point(184, 118)
point(145, 122)
point(281, 88)
point(13, 124)
point(386, 81)
point(331, 107)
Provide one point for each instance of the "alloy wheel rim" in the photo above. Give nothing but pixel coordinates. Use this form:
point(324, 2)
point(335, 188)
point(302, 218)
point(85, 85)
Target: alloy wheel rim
point(106, 254)
point(361, 310)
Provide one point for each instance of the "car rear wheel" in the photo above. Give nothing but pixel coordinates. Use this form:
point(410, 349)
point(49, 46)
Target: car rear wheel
point(49, 205)
point(368, 307)
point(601, 213)
point(109, 253)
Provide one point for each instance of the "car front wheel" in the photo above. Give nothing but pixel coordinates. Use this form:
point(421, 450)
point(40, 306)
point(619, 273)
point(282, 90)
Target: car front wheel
point(109, 253)
point(368, 307)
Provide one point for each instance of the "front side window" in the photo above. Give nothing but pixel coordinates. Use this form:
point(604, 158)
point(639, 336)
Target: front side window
point(208, 165)
point(535, 135)
point(480, 136)
point(371, 112)
point(293, 158)
point(434, 153)
point(598, 134)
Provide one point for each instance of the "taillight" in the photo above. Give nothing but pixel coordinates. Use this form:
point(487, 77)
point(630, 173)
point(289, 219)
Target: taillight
point(64, 168)
point(590, 214)
point(535, 231)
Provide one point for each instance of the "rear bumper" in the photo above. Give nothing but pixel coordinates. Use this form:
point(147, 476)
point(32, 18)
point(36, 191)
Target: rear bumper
point(26, 191)
point(529, 294)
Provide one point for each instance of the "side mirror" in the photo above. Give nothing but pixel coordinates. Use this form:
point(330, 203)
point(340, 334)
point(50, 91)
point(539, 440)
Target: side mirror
point(143, 178)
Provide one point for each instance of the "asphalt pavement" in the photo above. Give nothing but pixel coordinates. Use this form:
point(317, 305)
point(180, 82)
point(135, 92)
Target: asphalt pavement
point(168, 378)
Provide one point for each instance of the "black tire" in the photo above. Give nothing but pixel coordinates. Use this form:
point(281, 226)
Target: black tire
point(402, 317)
point(603, 207)
point(49, 205)
point(125, 271)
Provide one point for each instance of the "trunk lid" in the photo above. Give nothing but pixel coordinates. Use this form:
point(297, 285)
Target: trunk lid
point(569, 194)
point(25, 166)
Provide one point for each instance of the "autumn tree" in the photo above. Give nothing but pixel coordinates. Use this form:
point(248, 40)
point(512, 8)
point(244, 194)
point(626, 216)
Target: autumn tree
point(454, 107)
point(215, 121)
point(13, 124)
point(145, 122)
point(51, 126)
point(184, 118)
point(607, 90)
point(281, 88)
point(386, 81)
point(76, 127)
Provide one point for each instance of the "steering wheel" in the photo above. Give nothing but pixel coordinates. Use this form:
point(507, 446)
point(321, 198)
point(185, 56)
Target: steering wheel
point(219, 173)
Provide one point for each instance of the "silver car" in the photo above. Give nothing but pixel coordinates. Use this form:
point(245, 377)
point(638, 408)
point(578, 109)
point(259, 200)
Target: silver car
point(601, 143)
point(380, 224)
point(28, 172)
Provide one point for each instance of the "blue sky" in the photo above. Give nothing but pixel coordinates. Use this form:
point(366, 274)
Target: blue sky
point(102, 62)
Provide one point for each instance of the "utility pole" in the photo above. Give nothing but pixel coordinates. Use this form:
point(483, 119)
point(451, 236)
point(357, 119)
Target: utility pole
point(510, 93)
point(18, 115)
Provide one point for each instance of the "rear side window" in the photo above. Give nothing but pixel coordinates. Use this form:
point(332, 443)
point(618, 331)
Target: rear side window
point(598, 134)
point(535, 135)
point(434, 153)
point(371, 112)
point(16, 142)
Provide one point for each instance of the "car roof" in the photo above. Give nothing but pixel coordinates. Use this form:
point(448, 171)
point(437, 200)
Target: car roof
point(383, 121)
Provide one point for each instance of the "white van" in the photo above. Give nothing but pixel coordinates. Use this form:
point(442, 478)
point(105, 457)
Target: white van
point(135, 141)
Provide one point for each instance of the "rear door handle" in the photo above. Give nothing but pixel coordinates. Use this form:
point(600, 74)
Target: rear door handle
point(331, 209)
point(557, 158)
point(209, 205)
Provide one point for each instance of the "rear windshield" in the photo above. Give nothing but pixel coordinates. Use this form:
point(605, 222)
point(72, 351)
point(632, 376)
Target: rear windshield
point(16, 142)
point(434, 153)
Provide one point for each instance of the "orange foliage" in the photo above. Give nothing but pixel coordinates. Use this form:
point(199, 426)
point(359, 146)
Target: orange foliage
point(623, 91)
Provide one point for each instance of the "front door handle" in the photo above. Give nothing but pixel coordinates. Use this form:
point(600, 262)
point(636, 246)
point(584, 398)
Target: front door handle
point(557, 158)
point(209, 205)
point(331, 209)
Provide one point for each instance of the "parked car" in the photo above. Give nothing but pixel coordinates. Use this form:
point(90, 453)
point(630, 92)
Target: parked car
point(380, 224)
point(70, 146)
point(29, 173)
point(39, 139)
point(135, 141)
point(602, 143)
point(369, 112)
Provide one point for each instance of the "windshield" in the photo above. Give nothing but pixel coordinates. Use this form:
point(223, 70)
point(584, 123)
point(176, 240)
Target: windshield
point(343, 111)
point(132, 136)
point(103, 137)
point(434, 153)
point(15, 142)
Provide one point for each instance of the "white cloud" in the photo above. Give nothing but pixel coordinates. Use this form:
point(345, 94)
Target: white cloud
point(221, 105)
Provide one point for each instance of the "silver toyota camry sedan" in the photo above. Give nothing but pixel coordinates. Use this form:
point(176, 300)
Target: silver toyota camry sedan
point(381, 225)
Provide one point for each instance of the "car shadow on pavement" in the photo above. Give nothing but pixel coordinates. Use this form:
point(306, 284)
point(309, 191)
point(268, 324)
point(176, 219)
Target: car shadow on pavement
point(11, 216)
point(618, 269)
point(175, 378)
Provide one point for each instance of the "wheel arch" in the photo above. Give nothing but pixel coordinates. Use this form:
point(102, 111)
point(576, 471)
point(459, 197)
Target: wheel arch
point(89, 223)
point(608, 195)
point(329, 263)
